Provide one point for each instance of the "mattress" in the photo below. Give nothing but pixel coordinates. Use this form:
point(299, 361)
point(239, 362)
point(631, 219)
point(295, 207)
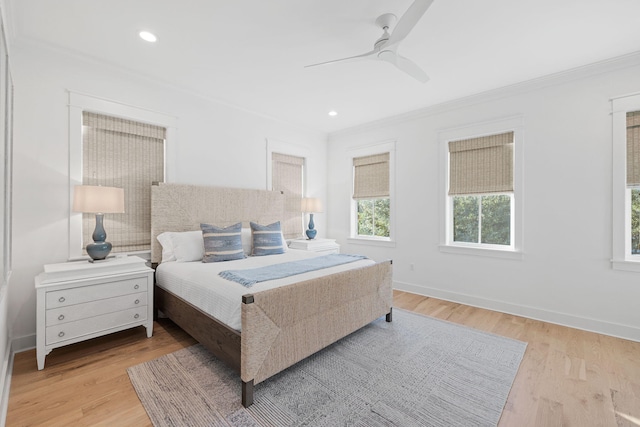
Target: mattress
point(200, 284)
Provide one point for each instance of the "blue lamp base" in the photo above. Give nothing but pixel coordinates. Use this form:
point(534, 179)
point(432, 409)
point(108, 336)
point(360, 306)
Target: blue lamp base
point(311, 232)
point(99, 249)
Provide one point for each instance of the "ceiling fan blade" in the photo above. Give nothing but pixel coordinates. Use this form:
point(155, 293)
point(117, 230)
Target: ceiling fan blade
point(411, 68)
point(404, 64)
point(350, 58)
point(409, 20)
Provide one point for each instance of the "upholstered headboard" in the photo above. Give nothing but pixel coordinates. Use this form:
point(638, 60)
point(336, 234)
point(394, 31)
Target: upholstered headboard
point(180, 207)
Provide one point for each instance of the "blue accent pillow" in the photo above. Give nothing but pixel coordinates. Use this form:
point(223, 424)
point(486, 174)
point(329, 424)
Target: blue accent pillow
point(222, 244)
point(267, 239)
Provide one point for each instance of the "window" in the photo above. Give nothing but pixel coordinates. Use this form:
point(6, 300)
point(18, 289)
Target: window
point(633, 178)
point(626, 183)
point(372, 206)
point(287, 175)
point(125, 154)
point(116, 166)
point(482, 189)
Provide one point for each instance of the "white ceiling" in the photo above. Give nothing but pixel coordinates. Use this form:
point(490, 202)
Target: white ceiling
point(252, 53)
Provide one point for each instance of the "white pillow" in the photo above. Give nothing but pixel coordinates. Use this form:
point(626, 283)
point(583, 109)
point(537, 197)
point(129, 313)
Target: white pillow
point(183, 246)
point(167, 246)
point(247, 241)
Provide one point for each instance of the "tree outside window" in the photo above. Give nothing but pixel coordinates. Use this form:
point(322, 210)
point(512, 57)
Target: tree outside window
point(482, 219)
point(635, 221)
point(373, 217)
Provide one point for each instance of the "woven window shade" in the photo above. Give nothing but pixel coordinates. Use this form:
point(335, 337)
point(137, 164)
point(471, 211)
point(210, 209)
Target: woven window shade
point(286, 176)
point(371, 176)
point(125, 154)
point(481, 165)
point(633, 148)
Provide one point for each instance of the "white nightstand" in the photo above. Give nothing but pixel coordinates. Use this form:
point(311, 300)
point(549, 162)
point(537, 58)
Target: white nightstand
point(324, 246)
point(80, 300)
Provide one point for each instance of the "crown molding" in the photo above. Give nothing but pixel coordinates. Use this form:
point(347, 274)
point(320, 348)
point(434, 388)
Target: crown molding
point(571, 75)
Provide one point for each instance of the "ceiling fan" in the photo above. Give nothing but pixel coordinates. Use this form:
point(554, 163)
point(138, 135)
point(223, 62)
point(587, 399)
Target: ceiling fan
point(386, 47)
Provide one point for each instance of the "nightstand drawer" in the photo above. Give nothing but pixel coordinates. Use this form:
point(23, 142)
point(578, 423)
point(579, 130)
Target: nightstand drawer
point(66, 297)
point(58, 316)
point(94, 324)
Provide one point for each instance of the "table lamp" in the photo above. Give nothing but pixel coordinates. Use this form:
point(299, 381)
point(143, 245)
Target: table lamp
point(311, 205)
point(99, 200)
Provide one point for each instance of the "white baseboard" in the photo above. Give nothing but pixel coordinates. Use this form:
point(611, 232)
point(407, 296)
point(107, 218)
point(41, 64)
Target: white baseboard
point(563, 319)
point(20, 344)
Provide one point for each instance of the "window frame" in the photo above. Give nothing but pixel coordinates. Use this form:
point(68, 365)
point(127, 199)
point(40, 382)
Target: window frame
point(622, 258)
point(78, 103)
point(516, 249)
point(483, 245)
point(388, 146)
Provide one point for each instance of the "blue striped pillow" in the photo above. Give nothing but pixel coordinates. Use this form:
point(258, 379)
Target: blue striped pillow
point(222, 244)
point(267, 239)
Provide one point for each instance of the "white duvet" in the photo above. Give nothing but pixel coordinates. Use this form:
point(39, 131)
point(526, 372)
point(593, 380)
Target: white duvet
point(200, 284)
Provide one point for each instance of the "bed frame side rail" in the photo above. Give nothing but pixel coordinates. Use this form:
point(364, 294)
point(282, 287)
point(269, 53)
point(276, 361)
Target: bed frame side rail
point(215, 336)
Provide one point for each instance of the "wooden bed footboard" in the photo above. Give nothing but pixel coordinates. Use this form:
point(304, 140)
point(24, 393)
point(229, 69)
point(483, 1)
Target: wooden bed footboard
point(282, 326)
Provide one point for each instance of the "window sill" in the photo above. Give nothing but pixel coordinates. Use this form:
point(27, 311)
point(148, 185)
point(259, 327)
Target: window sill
point(371, 242)
point(625, 265)
point(486, 252)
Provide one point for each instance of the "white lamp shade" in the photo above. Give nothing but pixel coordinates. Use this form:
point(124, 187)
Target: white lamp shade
point(98, 199)
point(311, 205)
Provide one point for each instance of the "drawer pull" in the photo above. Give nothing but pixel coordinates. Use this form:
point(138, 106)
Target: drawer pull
point(61, 299)
point(61, 334)
point(61, 317)
point(137, 301)
point(136, 287)
point(136, 316)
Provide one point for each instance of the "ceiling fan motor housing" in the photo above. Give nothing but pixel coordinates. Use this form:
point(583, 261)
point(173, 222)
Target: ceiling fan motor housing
point(385, 21)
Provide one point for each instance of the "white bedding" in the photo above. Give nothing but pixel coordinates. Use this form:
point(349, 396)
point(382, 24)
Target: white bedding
point(199, 283)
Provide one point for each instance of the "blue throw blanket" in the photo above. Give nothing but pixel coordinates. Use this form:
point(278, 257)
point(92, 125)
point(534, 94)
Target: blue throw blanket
point(252, 276)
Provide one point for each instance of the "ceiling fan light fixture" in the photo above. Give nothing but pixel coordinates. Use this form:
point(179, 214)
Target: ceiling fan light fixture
point(147, 36)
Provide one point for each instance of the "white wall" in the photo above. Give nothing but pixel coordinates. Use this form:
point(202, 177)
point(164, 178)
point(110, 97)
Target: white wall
point(565, 276)
point(216, 145)
point(5, 278)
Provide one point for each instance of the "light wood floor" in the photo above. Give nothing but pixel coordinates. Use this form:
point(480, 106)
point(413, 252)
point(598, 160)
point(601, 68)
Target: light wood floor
point(567, 378)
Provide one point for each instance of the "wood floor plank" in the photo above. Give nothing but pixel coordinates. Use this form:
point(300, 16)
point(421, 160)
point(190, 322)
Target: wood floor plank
point(549, 414)
point(567, 377)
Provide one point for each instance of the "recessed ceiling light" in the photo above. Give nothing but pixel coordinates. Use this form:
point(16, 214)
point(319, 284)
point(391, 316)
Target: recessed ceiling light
point(147, 36)
point(333, 113)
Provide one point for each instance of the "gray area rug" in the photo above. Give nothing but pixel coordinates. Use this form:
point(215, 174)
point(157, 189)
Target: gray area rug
point(415, 371)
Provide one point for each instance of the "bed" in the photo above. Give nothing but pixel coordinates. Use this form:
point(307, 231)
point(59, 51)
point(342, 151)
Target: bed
point(278, 325)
